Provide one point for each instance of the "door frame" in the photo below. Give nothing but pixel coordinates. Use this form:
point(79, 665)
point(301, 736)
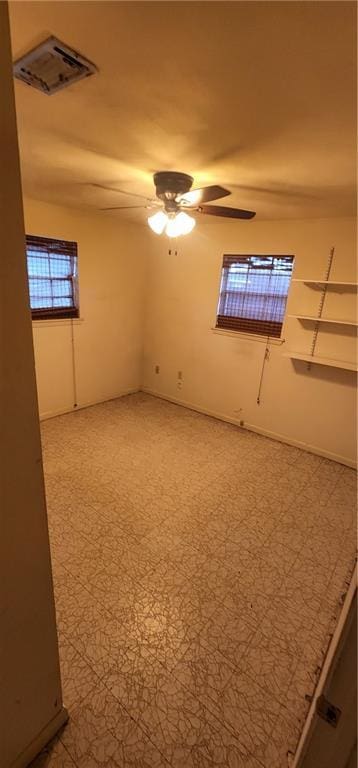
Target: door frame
point(331, 669)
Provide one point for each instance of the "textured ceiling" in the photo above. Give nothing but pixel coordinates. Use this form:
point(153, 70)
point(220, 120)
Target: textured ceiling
point(256, 96)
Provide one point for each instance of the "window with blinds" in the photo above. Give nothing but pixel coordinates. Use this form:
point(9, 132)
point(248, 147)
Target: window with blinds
point(253, 294)
point(52, 274)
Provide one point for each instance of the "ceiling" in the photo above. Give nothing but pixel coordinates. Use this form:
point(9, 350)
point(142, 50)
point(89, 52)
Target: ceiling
point(255, 96)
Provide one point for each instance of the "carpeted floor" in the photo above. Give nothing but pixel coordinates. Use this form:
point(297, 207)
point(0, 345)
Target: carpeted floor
point(198, 570)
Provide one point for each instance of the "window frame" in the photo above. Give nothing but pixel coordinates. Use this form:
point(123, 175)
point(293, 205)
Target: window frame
point(234, 324)
point(55, 313)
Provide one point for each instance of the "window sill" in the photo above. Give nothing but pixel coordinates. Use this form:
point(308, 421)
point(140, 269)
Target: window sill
point(58, 321)
point(248, 336)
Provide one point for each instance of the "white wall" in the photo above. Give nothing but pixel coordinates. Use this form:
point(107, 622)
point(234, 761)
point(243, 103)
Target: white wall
point(221, 372)
point(108, 337)
point(30, 692)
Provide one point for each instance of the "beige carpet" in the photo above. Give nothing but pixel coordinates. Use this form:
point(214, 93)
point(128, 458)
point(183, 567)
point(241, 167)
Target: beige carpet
point(198, 570)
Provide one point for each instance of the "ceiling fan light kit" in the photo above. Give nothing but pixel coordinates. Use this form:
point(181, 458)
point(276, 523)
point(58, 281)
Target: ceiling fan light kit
point(158, 221)
point(174, 224)
point(184, 223)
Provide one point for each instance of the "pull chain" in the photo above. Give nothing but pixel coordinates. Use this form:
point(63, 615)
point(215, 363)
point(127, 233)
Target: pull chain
point(173, 252)
point(265, 358)
point(73, 355)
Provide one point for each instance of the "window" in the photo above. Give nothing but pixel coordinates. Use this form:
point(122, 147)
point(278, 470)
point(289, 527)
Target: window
point(253, 293)
point(52, 273)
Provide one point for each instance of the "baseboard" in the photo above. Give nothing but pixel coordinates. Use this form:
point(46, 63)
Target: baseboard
point(254, 428)
point(40, 741)
point(51, 414)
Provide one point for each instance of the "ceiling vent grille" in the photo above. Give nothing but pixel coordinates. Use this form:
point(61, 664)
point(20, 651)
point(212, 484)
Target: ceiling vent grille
point(52, 66)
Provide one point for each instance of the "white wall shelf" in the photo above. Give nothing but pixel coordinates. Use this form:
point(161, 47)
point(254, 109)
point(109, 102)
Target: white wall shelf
point(329, 283)
point(317, 320)
point(347, 366)
point(331, 320)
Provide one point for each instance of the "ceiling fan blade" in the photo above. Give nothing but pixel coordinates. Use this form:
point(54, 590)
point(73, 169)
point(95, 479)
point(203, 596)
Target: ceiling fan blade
point(124, 207)
point(203, 195)
point(229, 213)
point(121, 191)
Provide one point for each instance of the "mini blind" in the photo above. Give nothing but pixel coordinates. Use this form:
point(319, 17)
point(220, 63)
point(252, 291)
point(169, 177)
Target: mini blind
point(52, 274)
point(253, 293)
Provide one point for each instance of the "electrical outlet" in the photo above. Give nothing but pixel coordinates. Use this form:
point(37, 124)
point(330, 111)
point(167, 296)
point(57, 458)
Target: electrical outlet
point(157, 369)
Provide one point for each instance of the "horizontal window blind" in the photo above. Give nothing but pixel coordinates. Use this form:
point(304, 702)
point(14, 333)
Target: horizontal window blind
point(52, 273)
point(253, 293)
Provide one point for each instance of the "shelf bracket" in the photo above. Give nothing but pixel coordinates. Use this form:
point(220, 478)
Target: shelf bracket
point(321, 305)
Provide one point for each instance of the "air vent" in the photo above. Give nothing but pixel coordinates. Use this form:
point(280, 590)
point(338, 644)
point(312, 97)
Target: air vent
point(52, 66)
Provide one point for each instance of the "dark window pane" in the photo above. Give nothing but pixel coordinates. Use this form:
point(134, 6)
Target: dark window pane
point(41, 303)
point(37, 266)
point(60, 267)
point(65, 302)
point(39, 288)
point(62, 287)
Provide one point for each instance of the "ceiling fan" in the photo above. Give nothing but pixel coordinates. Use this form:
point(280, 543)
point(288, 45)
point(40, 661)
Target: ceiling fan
point(174, 197)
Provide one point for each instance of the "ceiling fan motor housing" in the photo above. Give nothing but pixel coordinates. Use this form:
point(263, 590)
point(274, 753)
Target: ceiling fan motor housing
point(170, 184)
